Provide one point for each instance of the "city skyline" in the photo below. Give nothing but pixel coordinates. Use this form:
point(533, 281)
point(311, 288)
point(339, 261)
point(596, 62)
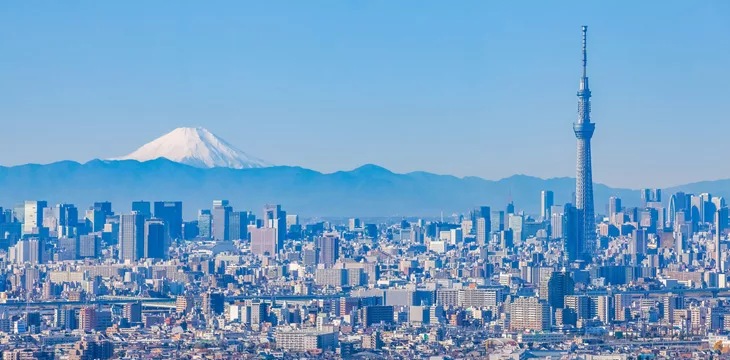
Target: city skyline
point(494, 62)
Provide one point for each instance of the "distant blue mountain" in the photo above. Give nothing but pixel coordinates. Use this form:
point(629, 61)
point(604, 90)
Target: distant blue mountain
point(369, 190)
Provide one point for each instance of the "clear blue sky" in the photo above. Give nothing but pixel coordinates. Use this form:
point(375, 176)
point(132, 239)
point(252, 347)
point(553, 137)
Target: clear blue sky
point(483, 88)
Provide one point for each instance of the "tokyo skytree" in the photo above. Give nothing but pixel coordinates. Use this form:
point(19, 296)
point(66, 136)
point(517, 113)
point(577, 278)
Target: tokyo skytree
point(583, 129)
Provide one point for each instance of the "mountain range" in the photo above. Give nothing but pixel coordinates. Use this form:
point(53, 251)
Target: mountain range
point(212, 171)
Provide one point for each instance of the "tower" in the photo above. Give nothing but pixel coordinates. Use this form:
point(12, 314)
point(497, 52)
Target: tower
point(583, 129)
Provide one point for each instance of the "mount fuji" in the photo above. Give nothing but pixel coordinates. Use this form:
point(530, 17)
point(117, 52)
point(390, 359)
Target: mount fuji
point(196, 147)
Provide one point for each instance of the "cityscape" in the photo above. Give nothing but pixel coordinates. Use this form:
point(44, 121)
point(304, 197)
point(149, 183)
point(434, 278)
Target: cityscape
point(643, 278)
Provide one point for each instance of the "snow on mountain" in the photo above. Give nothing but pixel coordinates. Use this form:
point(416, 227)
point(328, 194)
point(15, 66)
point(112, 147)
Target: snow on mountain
point(195, 147)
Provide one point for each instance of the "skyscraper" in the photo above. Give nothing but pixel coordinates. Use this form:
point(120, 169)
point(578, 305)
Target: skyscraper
point(33, 216)
point(329, 249)
point(614, 206)
point(131, 236)
point(721, 217)
point(220, 219)
point(275, 218)
point(583, 129)
point(205, 221)
point(155, 242)
point(142, 207)
point(572, 248)
point(546, 202)
point(171, 213)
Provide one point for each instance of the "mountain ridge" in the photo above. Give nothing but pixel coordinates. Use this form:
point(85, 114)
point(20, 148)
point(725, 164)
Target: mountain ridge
point(368, 190)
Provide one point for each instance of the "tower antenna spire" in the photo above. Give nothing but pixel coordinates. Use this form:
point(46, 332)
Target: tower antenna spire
point(585, 53)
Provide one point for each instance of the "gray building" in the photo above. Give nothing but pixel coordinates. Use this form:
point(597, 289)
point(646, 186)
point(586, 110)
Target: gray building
point(131, 236)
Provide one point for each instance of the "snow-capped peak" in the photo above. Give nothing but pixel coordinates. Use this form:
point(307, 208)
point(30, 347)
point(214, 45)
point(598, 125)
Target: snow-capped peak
point(195, 147)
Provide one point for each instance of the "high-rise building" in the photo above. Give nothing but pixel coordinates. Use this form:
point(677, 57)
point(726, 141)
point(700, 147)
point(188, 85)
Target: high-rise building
point(264, 241)
point(131, 237)
point(529, 313)
point(220, 219)
point(205, 222)
point(638, 242)
point(89, 246)
point(328, 247)
point(614, 206)
point(213, 303)
point(87, 318)
point(516, 224)
point(275, 218)
point(105, 207)
point(353, 224)
point(155, 239)
point(133, 312)
point(721, 219)
point(559, 285)
point(650, 195)
point(482, 231)
point(546, 203)
point(496, 218)
point(171, 213)
point(142, 207)
point(33, 216)
point(237, 225)
point(583, 129)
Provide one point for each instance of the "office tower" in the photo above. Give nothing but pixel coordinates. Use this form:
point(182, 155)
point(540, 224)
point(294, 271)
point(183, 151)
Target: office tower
point(614, 206)
point(481, 212)
point(33, 216)
point(482, 231)
point(556, 225)
point(291, 220)
point(68, 248)
point(572, 224)
point(89, 246)
point(131, 237)
point(105, 207)
point(651, 195)
point(496, 218)
point(676, 204)
point(510, 208)
point(529, 313)
point(28, 251)
point(353, 224)
point(580, 304)
point(637, 244)
point(205, 222)
point(143, 208)
point(155, 239)
point(275, 218)
point(329, 249)
point(171, 213)
point(546, 203)
point(516, 224)
point(583, 129)
point(133, 312)
point(237, 225)
point(721, 218)
point(377, 314)
point(95, 220)
point(220, 219)
point(264, 241)
point(213, 303)
point(559, 285)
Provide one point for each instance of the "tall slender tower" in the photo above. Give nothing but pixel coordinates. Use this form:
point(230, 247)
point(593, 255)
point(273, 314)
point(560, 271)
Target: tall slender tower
point(583, 129)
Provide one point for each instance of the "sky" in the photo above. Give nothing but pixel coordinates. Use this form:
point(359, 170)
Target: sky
point(468, 88)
